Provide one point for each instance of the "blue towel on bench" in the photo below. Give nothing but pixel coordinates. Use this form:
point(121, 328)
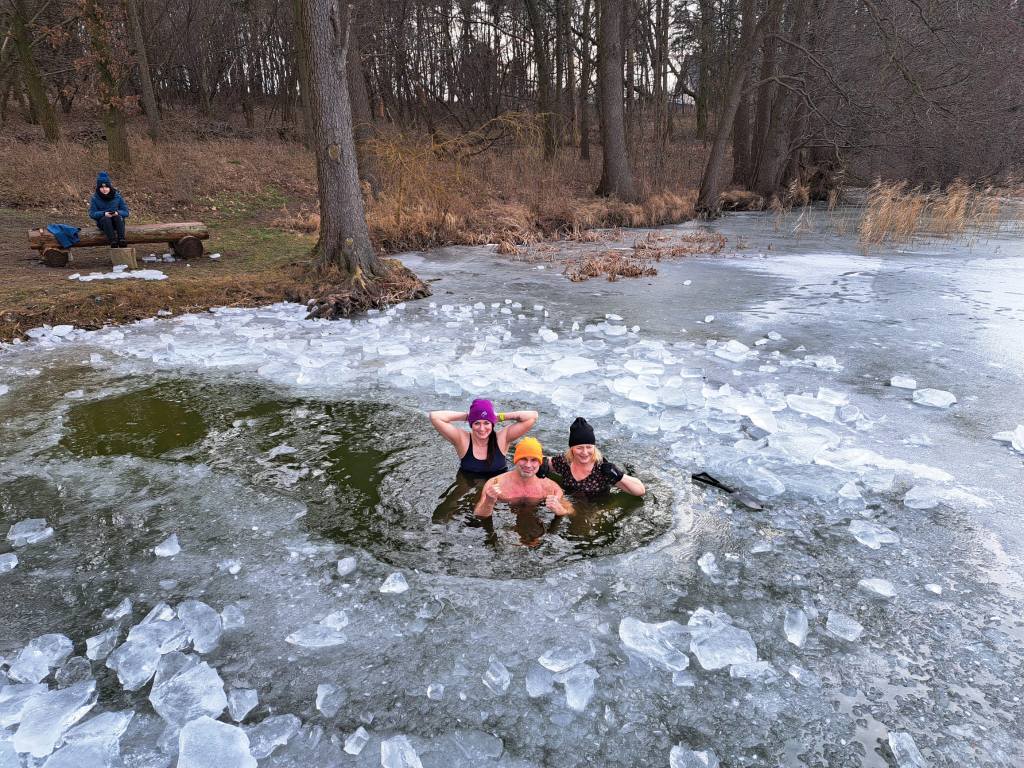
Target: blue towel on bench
point(66, 234)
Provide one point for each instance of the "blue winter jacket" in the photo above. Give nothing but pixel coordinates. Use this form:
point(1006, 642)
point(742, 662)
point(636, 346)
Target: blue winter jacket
point(98, 206)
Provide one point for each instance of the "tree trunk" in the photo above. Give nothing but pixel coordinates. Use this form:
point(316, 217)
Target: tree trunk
point(40, 105)
point(768, 179)
point(616, 175)
point(118, 154)
point(765, 97)
point(363, 128)
point(344, 236)
point(585, 63)
point(741, 124)
point(302, 60)
point(708, 203)
point(704, 67)
point(148, 96)
point(540, 55)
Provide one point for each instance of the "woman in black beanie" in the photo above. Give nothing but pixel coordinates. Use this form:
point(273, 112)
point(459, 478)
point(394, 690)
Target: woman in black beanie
point(585, 471)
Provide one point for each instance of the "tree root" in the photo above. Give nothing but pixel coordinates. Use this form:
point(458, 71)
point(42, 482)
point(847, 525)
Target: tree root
point(336, 295)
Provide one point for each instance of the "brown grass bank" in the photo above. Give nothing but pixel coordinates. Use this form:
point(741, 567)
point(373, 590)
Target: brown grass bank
point(258, 195)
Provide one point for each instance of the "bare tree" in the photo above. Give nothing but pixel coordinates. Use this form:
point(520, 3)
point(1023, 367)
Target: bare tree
point(616, 174)
point(344, 237)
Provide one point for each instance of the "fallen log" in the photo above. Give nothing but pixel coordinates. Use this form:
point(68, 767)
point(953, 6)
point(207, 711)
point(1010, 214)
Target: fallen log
point(185, 237)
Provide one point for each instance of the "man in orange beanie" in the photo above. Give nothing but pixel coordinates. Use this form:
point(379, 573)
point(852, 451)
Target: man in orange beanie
point(522, 486)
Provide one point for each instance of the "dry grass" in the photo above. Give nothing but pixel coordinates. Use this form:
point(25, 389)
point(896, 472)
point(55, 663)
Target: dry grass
point(895, 214)
point(611, 264)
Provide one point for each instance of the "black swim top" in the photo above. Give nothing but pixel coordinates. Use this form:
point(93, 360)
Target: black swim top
point(482, 467)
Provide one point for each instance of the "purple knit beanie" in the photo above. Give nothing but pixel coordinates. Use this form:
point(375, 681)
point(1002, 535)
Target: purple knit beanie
point(482, 409)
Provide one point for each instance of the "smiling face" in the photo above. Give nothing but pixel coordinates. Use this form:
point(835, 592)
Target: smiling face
point(583, 454)
point(482, 429)
point(104, 188)
point(527, 467)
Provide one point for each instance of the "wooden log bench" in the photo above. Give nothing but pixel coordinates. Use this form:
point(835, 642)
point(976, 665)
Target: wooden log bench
point(184, 238)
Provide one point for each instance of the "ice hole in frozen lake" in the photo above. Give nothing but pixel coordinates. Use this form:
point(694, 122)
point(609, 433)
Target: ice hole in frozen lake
point(372, 476)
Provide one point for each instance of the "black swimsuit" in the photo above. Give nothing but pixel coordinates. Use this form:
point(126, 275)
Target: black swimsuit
point(482, 467)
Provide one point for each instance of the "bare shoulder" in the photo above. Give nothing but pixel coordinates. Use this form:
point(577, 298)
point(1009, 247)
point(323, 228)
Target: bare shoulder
point(551, 487)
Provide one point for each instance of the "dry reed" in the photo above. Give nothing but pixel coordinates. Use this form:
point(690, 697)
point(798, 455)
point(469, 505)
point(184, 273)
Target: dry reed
point(896, 214)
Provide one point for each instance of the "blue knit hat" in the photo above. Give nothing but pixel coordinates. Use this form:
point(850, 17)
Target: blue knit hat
point(103, 178)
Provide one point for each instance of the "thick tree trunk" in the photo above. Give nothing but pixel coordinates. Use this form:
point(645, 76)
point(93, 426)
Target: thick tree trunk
point(768, 179)
point(118, 154)
point(148, 96)
point(344, 237)
point(363, 128)
point(765, 97)
point(616, 175)
point(741, 123)
point(540, 53)
point(40, 105)
point(708, 203)
point(703, 100)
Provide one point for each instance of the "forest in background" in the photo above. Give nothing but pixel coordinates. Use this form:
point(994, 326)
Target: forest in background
point(778, 97)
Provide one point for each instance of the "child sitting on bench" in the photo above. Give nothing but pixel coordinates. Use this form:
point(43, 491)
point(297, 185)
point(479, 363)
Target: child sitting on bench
point(109, 210)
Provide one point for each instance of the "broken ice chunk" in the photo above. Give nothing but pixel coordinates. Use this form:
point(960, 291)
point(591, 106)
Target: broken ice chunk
point(316, 636)
point(661, 643)
point(203, 625)
point(683, 757)
point(935, 398)
point(169, 547)
point(99, 647)
point(1015, 438)
point(547, 335)
point(872, 535)
point(497, 677)
point(241, 701)
point(708, 565)
point(843, 626)
point(120, 610)
point(271, 733)
point(716, 643)
point(280, 450)
point(329, 699)
point(8, 562)
point(435, 691)
point(562, 659)
point(186, 688)
point(204, 743)
point(539, 681)
point(336, 620)
point(579, 686)
point(903, 382)
point(47, 715)
point(795, 626)
point(733, 351)
point(346, 566)
point(397, 752)
point(30, 531)
point(36, 659)
point(878, 587)
point(819, 409)
point(924, 497)
point(135, 663)
point(232, 617)
point(357, 740)
point(13, 699)
point(905, 750)
point(394, 584)
point(753, 670)
point(935, 589)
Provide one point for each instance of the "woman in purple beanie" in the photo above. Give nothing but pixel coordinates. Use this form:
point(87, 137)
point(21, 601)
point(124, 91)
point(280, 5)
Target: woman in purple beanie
point(482, 449)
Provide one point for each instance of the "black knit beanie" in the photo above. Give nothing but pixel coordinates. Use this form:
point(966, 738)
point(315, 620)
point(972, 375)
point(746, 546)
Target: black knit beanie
point(581, 433)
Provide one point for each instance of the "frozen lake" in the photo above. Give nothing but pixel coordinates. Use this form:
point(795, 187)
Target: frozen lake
point(871, 610)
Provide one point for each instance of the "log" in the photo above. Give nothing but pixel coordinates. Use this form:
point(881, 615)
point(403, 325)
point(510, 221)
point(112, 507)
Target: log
point(40, 239)
point(189, 247)
point(55, 257)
